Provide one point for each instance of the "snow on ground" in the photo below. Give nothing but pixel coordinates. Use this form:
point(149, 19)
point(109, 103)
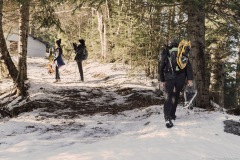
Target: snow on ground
point(138, 134)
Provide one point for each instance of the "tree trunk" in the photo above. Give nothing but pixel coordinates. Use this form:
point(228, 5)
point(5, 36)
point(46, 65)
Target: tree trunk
point(23, 39)
point(196, 34)
point(217, 75)
point(4, 51)
point(104, 40)
point(100, 27)
point(106, 16)
point(238, 78)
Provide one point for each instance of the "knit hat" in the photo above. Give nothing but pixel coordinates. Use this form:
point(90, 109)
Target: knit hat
point(82, 41)
point(174, 43)
point(58, 42)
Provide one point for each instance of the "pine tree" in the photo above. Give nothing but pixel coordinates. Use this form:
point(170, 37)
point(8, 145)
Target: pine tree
point(222, 29)
point(196, 34)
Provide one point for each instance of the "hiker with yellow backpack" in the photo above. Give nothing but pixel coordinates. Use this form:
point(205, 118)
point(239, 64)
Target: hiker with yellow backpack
point(174, 69)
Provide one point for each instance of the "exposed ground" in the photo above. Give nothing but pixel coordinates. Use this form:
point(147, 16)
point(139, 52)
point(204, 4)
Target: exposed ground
point(71, 103)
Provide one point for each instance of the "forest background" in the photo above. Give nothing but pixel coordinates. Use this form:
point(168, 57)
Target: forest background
point(133, 32)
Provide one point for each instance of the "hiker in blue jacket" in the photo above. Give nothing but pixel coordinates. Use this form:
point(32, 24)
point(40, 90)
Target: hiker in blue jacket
point(173, 79)
point(58, 60)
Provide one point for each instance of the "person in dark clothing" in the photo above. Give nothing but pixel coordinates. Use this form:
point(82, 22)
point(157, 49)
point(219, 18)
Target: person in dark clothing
point(58, 60)
point(79, 56)
point(173, 80)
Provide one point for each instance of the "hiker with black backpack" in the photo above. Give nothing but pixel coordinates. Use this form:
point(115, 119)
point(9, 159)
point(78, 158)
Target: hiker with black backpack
point(173, 72)
point(81, 54)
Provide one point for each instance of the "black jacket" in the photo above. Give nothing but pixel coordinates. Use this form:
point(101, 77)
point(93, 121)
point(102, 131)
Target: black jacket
point(79, 52)
point(164, 67)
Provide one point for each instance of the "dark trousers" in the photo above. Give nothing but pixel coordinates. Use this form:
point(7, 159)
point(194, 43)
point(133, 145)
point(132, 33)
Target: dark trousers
point(173, 88)
point(80, 68)
point(57, 72)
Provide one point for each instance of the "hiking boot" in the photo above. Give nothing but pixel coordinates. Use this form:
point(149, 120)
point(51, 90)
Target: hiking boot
point(169, 123)
point(79, 80)
point(57, 80)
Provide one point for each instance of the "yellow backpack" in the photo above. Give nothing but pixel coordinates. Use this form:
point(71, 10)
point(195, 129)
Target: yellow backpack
point(183, 53)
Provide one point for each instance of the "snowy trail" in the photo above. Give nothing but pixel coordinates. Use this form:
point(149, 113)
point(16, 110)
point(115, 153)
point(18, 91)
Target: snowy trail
point(131, 135)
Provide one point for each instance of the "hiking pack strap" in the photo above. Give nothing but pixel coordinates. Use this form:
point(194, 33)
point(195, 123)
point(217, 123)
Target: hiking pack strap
point(170, 62)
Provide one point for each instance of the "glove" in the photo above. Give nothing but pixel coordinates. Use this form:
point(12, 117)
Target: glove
point(190, 83)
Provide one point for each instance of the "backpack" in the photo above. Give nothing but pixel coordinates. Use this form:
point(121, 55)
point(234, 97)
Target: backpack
point(183, 53)
point(85, 54)
point(178, 57)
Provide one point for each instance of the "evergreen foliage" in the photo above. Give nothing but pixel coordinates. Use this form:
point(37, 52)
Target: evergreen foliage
point(135, 31)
